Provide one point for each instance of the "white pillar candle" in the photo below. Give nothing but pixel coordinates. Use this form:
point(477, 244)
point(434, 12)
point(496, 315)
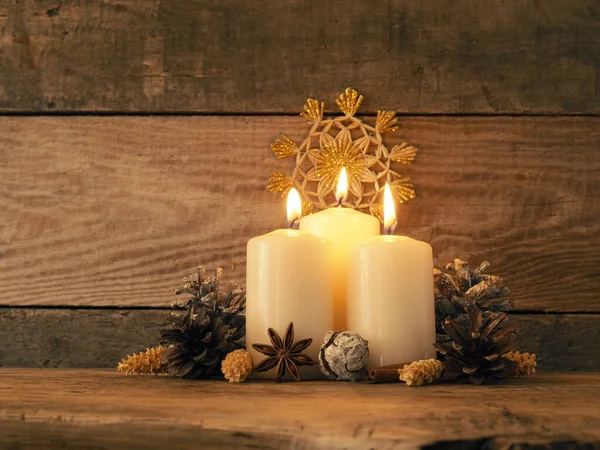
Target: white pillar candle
point(343, 227)
point(288, 280)
point(390, 295)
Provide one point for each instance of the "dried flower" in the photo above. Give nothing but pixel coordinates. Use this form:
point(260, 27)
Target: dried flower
point(144, 363)
point(421, 372)
point(237, 365)
point(525, 363)
point(284, 355)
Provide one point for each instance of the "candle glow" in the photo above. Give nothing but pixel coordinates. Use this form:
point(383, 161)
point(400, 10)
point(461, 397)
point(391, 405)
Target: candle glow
point(390, 295)
point(294, 207)
point(341, 192)
point(389, 211)
point(343, 228)
point(288, 279)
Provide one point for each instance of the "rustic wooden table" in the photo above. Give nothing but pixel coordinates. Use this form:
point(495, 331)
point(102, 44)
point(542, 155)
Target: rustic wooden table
point(100, 409)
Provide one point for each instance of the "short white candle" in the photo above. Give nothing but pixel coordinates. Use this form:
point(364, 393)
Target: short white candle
point(343, 227)
point(390, 295)
point(288, 279)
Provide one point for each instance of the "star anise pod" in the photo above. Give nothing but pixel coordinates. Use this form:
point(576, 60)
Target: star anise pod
point(284, 355)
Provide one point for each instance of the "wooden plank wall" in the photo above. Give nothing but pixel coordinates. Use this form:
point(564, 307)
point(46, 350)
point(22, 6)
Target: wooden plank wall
point(134, 144)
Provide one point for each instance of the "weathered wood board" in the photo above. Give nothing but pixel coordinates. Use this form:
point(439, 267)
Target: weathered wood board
point(69, 408)
point(561, 341)
point(25, 435)
point(100, 338)
point(116, 210)
point(512, 56)
point(75, 338)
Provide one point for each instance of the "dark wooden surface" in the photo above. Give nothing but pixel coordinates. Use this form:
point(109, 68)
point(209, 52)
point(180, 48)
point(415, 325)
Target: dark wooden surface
point(115, 211)
point(100, 338)
point(262, 56)
point(66, 408)
point(75, 337)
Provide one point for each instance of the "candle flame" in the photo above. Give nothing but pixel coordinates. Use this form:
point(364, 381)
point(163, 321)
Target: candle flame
point(389, 211)
point(341, 191)
point(294, 207)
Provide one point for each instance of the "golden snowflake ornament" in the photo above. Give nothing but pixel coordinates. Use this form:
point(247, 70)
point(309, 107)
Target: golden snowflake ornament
point(344, 141)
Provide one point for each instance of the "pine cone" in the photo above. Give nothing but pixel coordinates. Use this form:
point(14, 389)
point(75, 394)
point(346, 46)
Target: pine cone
point(237, 365)
point(144, 363)
point(454, 295)
point(230, 307)
point(206, 326)
point(476, 346)
point(421, 372)
point(525, 363)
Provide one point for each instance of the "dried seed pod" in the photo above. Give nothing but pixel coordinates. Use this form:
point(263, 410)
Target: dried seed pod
point(525, 363)
point(237, 365)
point(344, 356)
point(421, 372)
point(144, 363)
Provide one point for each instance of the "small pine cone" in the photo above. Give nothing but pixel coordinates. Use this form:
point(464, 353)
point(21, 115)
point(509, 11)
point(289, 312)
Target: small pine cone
point(421, 372)
point(237, 365)
point(144, 363)
point(525, 363)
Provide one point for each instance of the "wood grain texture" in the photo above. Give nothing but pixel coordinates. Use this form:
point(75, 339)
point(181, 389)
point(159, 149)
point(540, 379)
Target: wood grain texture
point(100, 338)
point(59, 434)
point(75, 338)
point(560, 341)
point(115, 211)
point(104, 406)
point(265, 56)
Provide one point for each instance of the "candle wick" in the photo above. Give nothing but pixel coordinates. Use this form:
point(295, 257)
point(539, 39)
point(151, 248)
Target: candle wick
point(390, 230)
point(293, 222)
point(340, 202)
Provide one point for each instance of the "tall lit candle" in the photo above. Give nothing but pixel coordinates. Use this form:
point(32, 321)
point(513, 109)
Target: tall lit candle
point(288, 280)
point(390, 295)
point(343, 227)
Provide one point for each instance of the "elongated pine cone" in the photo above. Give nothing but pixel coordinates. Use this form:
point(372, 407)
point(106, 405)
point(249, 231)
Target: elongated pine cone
point(525, 363)
point(237, 365)
point(421, 372)
point(144, 363)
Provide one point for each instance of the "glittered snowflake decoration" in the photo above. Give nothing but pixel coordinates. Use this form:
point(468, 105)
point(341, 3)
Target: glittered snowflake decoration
point(344, 141)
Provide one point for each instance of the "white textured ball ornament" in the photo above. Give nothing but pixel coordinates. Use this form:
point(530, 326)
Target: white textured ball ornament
point(344, 356)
